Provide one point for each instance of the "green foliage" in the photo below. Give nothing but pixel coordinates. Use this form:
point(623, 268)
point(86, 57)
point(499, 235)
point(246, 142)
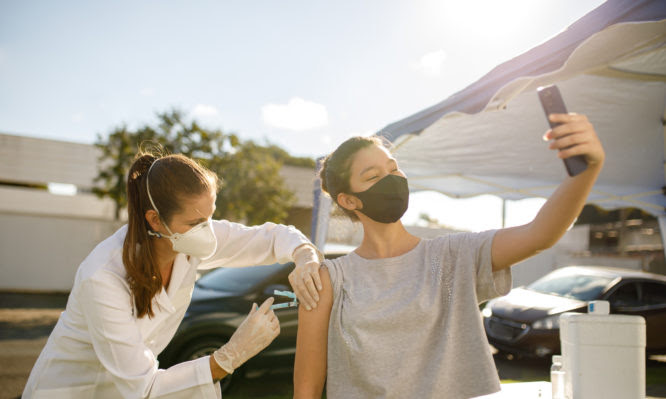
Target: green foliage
point(252, 190)
point(287, 159)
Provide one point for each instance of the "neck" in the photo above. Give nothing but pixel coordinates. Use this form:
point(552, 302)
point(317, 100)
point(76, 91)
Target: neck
point(385, 240)
point(164, 256)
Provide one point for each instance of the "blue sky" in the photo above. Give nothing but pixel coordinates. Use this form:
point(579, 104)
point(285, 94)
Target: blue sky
point(302, 74)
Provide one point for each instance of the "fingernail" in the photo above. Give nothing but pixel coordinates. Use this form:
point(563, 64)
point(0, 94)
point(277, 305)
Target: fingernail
point(308, 307)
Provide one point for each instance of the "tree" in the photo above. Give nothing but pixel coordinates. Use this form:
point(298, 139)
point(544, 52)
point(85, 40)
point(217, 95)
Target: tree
point(116, 157)
point(252, 189)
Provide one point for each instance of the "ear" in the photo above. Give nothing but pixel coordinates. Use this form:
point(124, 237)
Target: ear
point(153, 220)
point(349, 202)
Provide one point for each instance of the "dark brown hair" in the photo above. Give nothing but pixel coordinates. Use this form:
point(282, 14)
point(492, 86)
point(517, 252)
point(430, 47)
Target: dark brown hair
point(172, 179)
point(335, 168)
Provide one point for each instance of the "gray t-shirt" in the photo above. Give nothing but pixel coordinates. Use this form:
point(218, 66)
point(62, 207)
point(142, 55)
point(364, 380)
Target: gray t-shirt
point(409, 326)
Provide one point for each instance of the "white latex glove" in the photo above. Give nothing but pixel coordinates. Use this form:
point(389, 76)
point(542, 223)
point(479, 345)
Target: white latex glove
point(304, 279)
point(255, 333)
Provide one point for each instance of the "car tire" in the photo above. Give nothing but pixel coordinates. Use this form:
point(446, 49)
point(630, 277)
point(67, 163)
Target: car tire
point(204, 346)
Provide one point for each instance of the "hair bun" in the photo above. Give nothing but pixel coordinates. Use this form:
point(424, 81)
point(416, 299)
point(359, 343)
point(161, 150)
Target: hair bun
point(142, 163)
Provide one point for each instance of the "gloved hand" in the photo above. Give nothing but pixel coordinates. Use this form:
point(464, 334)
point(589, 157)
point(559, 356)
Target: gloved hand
point(304, 279)
point(255, 333)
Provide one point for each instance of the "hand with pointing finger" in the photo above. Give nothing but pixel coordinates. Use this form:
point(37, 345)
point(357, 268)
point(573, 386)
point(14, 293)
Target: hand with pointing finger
point(254, 334)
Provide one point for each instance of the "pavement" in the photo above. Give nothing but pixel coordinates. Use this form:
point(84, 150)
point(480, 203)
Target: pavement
point(26, 320)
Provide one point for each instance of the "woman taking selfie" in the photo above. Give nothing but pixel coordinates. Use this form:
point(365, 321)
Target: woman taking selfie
point(399, 316)
point(132, 291)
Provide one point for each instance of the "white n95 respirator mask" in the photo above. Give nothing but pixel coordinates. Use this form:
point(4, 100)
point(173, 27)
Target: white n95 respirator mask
point(199, 241)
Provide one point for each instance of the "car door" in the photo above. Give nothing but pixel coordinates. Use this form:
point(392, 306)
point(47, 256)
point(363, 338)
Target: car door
point(624, 297)
point(288, 318)
point(282, 350)
point(653, 309)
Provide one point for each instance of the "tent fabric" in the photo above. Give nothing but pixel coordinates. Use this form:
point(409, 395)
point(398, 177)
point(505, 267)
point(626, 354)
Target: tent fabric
point(544, 58)
point(486, 139)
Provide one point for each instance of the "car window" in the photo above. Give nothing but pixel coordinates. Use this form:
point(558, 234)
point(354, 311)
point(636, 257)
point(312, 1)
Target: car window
point(653, 293)
point(625, 295)
point(577, 286)
point(238, 279)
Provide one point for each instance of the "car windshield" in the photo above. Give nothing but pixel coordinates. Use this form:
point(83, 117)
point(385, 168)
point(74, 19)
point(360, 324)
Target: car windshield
point(238, 279)
point(583, 287)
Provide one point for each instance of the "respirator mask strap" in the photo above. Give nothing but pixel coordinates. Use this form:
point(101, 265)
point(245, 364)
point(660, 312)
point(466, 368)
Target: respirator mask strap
point(150, 197)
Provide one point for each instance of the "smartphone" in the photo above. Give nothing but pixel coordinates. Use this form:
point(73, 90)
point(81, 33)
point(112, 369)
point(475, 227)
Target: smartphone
point(552, 103)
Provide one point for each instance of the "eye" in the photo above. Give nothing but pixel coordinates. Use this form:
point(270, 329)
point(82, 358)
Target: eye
point(371, 178)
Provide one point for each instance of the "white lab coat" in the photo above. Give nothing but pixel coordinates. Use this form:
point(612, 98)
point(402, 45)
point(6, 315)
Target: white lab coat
point(100, 349)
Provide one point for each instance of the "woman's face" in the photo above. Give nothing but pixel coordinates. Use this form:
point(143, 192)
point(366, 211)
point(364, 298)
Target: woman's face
point(195, 210)
point(369, 165)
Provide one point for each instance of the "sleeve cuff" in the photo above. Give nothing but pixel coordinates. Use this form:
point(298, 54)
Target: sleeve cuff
point(203, 371)
point(320, 256)
point(491, 284)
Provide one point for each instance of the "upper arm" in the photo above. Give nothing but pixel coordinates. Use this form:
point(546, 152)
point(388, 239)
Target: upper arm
point(312, 343)
point(239, 245)
point(512, 245)
point(118, 345)
point(115, 336)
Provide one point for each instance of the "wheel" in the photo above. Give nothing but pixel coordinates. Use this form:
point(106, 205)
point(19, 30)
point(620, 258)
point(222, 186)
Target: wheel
point(200, 347)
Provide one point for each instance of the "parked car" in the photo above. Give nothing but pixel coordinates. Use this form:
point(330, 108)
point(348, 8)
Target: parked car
point(526, 321)
point(220, 302)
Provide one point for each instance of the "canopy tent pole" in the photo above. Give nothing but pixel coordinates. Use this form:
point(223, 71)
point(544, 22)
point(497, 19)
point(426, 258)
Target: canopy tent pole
point(662, 217)
point(321, 209)
point(503, 212)
point(662, 231)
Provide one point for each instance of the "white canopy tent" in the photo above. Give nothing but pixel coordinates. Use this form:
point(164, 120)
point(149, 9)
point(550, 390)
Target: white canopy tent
point(616, 77)
point(486, 139)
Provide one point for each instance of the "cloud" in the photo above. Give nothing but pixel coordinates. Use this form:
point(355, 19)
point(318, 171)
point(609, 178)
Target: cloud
point(147, 92)
point(297, 114)
point(204, 111)
point(430, 64)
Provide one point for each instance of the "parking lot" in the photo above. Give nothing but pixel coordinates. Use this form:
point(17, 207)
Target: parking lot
point(26, 321)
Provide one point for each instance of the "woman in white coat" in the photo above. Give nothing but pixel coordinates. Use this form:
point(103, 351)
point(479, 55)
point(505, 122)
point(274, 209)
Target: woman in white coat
point(131, 292)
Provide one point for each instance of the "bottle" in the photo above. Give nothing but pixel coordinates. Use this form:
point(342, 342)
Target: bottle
point(557, 378)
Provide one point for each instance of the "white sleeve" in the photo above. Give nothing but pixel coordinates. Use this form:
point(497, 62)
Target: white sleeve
point(118, 344)
point(239, 245)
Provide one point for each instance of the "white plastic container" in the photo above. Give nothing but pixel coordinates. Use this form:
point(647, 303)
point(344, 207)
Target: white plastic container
point(603, 354)
point(557, 378)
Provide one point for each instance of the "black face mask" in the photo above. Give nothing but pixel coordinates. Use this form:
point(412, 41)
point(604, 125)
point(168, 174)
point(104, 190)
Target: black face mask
point(387, 200)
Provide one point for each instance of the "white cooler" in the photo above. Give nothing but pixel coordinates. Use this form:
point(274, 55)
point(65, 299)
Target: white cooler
point(603, 354)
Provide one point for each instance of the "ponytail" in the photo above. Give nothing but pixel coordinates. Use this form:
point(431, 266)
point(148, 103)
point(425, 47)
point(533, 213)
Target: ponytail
point(143, 274)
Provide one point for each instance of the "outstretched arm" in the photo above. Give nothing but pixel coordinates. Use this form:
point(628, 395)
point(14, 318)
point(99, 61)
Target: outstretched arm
point(575, 136)
point(312, 344)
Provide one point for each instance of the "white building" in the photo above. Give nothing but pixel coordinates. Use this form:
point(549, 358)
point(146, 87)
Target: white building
point(44, 235)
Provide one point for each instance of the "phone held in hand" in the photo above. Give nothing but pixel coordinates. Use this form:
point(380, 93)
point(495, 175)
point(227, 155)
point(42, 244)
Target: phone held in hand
point(552, 103)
